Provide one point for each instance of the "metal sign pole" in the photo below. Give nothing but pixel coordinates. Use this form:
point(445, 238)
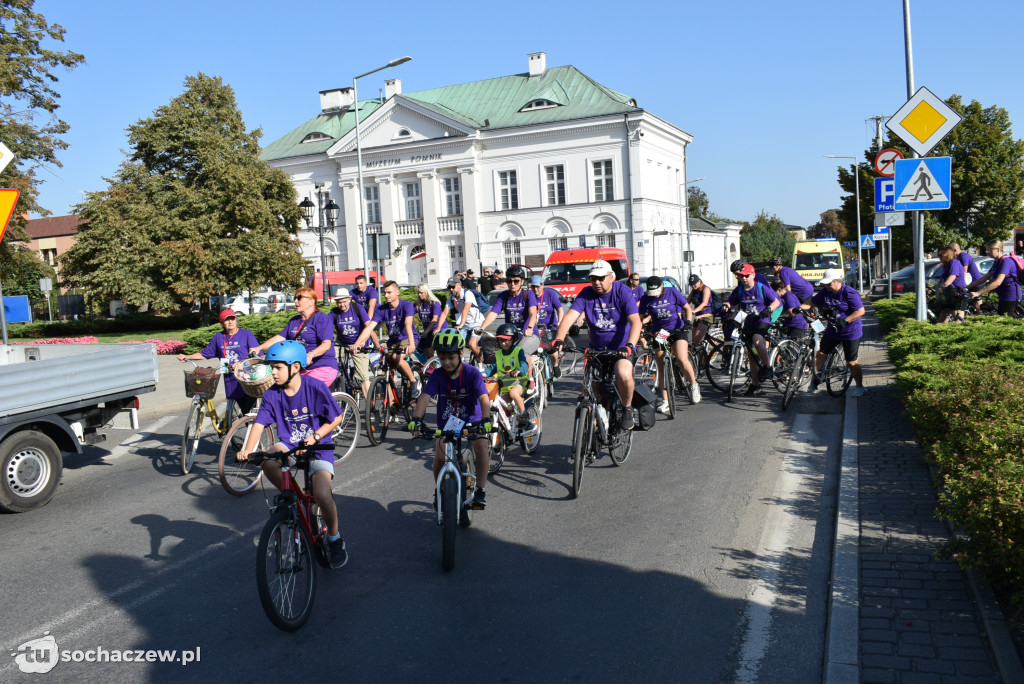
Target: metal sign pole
point(3, 316)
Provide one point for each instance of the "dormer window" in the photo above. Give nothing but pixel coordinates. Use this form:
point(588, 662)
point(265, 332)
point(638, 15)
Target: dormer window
point(316, 136)
point(534, 105)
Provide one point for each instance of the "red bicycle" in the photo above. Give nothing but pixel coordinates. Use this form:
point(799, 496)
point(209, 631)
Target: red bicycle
point(293, 536)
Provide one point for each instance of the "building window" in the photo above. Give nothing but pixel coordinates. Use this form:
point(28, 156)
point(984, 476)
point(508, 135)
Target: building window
point(555, 179)
point(316, 136)
point(606, 240)
point(452, 197)
point(49, 256)
point(538, 104)
point(372, 195)
point(413, 203)
point(457, 257)
point(603, 181)
point(512, 254)
point(509, 189)
point(329, 260)
point(555, 244)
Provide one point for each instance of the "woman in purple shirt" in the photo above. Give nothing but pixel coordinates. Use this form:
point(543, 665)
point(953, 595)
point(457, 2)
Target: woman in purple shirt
point(849, 308)
point(1002, 278)
point(635, 287)
point(793, 281)
point(432, 318)
point(795, 324)
point(758, 302)
point(670, 317)
point(233, 346)
point(315, 330)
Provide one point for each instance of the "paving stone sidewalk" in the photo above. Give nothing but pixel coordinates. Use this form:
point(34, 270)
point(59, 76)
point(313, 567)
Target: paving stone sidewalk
point(919, 621)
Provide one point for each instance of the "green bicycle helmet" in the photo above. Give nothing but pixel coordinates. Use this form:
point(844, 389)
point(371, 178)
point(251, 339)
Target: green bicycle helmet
point(449, 340)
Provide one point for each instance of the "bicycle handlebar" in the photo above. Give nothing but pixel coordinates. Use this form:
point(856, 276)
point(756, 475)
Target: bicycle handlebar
point(302, 452)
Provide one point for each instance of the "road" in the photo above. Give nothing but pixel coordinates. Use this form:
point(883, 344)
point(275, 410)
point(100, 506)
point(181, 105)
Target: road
point(704, 558)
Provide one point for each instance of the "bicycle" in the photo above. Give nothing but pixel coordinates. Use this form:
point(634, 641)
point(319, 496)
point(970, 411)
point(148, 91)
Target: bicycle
point(505, 419)
point(294, 534)
point(389, 394)
point(597, 420)
point(454, 488)
point(346, 381)
point(835, 373)
point(201, 384)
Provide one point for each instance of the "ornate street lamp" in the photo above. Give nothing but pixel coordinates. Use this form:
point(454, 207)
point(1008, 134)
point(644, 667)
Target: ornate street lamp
point(330, 212)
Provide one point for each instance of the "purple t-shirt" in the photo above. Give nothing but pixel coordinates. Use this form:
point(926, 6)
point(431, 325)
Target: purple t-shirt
point(696, 297)
point(845, 302)
point(754, 302)
point(800, 287)
point(953, 268)
point(606, 315)
point(791, 301)
point(1009, 289)
point(516, 308)
point(232, 349)
point(638, 292)
point(311, 333)
point(971, 268)
point(547, 308)
point(461, 395)
point(363, 298)
point(299, 416)
point(426, 311)
point(665, 311)
point(349, 324)
point(395, 319)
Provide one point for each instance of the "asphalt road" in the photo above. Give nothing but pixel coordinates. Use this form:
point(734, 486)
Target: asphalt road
point(704, 558)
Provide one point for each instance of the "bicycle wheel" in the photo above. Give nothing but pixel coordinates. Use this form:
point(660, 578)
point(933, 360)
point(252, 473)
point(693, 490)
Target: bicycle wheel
point(378, 410)
point(582, 435)
point(716, 365)
point(321, 550)
point(497, 443)
point(781, 360)
point(193, 433)
point(403, 395)
point(739, 355)
point(620, 443)
point(670, 384)
point(795, 379)
point(240, 477)
point(646, 368)
point(537, 376)
point(285, 573)
point(837, 373)
point(533, 415)
point(466, 514)
point(449, 520)
point(346, 434)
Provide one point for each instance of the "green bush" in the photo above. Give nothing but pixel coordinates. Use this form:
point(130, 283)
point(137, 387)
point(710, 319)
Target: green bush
point(892, 312)
point(91, 326)
point(263, 326)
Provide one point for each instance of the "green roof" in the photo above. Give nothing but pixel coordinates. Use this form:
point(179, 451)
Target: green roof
point(490, 104)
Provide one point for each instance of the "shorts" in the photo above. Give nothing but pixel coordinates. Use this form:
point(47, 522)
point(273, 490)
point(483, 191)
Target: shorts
point(467, 333)
point(797, 334)
point(361, 366)
point(314, 466)
point(805, 300)
point(851, 348)
point(529, 344)
point(324, 374)
point(681, 334)
point(750, 331)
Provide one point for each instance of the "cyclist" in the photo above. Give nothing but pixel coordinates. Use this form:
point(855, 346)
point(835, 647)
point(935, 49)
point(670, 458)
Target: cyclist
point(467, 315)
point(952, 275)
point(1001, 277)
point(304, 412)
point(849, 307)
point(397, 315)
point(231, 344)
point(614, 323)
point(432, 319)
point(462, 399)
point(795, 324)
point(668, 310)
point(793, 281)
point(520, 308)
point(549, 314)
point(366, 295)
point(510, 361)
point(315, 330)
point(701, 302)
point(758, 302)
point(349, 321)
point(971, 272)
point(635, 287)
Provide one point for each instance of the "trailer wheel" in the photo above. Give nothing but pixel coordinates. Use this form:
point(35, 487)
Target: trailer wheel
point(31, 471)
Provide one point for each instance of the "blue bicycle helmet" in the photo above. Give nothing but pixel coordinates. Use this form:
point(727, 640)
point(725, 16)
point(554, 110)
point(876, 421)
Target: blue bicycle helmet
point(287, 352)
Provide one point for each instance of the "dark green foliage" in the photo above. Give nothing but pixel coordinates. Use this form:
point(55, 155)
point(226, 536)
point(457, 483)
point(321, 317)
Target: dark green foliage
point(764, 238)
point(92, 326)
point(697, 202)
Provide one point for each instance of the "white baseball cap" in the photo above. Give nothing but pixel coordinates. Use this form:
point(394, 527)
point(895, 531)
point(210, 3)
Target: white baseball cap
point(601, 268)
point(831, 275)
point(342, 293)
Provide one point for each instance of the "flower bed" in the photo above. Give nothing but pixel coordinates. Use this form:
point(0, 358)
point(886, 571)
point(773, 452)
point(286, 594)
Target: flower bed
point(162, 346)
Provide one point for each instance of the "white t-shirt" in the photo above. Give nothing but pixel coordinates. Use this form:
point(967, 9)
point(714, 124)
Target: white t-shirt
point(475, 319)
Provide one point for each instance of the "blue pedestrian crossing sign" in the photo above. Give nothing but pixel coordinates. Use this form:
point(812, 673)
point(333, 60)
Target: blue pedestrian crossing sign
point(923, 183)
point(867, 242)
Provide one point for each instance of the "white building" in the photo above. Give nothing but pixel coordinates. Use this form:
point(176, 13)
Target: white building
point(497, 172)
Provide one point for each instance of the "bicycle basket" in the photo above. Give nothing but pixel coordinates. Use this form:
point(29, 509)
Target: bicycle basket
point(201, 382)
point(254, 378)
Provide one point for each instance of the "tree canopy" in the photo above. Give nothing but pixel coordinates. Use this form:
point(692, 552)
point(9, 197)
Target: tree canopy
point(697, 202)
point(192, 212)
point(828, 225)
point(765, 237)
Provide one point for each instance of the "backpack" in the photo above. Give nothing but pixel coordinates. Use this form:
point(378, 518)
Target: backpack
point(775, 312)
point(481, 302)
point(716, 302)
point(1019, 261)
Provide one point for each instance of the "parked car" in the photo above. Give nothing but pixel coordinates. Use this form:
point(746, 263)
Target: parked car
point(260, 304)
point(667, 281)
point(904, 280)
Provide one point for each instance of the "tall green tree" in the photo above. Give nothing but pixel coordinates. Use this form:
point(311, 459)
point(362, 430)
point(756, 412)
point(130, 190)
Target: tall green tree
point(765, 237)
point(697, 202)
point(192, 212)
point(828, 225)
point(28, 104)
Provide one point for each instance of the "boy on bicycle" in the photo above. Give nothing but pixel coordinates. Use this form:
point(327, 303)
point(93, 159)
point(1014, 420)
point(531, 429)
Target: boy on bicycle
point(304, 412)
point(510, 362)
point(462, 400)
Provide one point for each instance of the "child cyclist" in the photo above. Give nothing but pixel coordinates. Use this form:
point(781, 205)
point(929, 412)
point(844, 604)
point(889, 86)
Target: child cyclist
point(304, 412)
point(510, 361)
point(461, 400)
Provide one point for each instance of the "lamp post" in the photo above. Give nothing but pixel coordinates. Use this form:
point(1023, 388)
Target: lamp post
point(359, 161)
point(328, 211)
point(684, 225)
point(856, 191)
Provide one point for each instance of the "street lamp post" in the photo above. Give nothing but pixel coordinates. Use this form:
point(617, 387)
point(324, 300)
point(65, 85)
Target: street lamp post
point(684, 225)
point(330, 211)
point(359, 161)
point(856, 196)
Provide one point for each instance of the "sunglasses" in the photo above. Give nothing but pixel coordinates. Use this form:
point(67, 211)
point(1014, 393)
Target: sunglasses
point(304, 296)
point(515, 281)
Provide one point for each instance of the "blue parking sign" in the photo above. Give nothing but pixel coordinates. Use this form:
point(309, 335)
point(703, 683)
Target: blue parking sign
point(885, 195)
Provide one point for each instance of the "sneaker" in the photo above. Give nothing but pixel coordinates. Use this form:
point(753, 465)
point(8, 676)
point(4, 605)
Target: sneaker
point(858, 391)
point(663, 407)
point(754, 391)
point(479, 502)
point(556, 371)
point(695, 393)
point(523, 422)
point(339, 556)
point(812, 387)
point(628, 421)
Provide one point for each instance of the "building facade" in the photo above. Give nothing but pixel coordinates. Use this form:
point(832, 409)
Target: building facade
point(52, 236)
point(494, 172)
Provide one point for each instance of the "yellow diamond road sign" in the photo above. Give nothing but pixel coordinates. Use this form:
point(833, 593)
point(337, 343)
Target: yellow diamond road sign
point(923, 121)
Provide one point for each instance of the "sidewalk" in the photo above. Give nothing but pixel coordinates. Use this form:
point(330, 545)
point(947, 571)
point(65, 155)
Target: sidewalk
point(915, 618)
point(169, 396)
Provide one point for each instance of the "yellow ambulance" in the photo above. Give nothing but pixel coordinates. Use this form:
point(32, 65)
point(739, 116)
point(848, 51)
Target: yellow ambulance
point(812, 257)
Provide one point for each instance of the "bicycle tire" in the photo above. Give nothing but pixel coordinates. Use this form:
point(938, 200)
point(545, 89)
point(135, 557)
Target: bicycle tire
point(322, 551)
point(533, 414)
point(670, 384)
point(403, 394)
point(192, 435)
point(781, 360)
point(497, 444)
point(449, 520)
point(537, 376)
point(285, 572)
point(739, 351)
point(378, 410)
point(620, 445)
point(717, 366)
point(695, 364)
point(581, 437)
point(466, 514)
point(837, 373)
point(795, 379)
point(346, 434)
point(240, 477)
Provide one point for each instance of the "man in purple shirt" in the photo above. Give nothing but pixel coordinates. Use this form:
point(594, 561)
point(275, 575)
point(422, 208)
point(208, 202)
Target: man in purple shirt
point(794, 282)
point(549, 315)
point(397, 315)
point(614, 323)
point(967, 261)
point(520, 309)
point(1002, 278)
point(349, 321)
point(849, 309)
point(757, 301)
point(366, 295)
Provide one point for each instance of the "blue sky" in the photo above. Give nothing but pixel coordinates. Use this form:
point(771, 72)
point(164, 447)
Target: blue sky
point(765, 88)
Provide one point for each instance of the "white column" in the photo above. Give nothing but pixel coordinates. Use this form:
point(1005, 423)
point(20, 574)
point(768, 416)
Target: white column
point(472, 238)
point(430, 197)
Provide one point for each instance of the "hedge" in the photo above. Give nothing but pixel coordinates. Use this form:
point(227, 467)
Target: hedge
point(91, 326)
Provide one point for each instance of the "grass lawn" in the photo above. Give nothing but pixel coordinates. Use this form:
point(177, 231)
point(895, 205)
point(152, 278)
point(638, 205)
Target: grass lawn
point(126, 337)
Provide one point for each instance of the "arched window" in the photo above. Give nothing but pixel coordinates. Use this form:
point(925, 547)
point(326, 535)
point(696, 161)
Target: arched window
point(403, 133)
point(541, 103)
point(316, 136)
